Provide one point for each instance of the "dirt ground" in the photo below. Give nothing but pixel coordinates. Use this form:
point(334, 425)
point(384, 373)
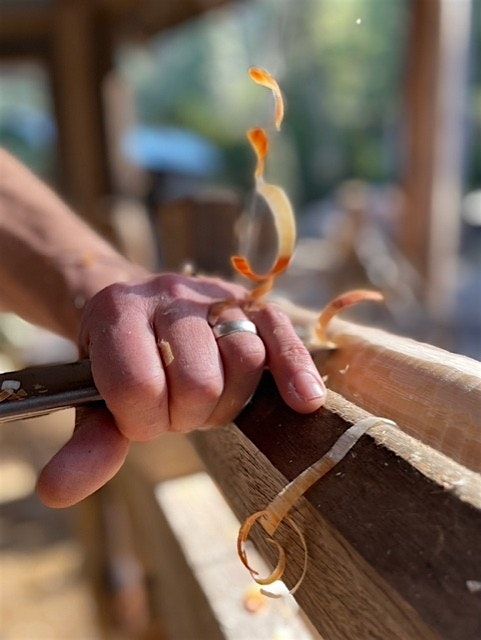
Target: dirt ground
point(43, 593)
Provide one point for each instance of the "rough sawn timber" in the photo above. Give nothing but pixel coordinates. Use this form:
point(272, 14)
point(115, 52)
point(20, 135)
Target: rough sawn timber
point(433, 395)
point(392, 551)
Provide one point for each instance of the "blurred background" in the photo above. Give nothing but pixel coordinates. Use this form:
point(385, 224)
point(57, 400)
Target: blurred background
point(136, 112)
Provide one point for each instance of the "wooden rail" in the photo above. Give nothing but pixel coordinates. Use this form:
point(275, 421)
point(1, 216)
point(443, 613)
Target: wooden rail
point(432, 394)
point(394, 531)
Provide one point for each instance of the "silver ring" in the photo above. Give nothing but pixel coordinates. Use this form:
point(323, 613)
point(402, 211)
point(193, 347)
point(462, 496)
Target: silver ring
point(235, 326)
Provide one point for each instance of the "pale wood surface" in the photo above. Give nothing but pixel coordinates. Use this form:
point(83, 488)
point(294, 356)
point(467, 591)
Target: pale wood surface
point(206, 530)
point(176, 599)
point(432, 394)
point(184, 536)
point(391, 551)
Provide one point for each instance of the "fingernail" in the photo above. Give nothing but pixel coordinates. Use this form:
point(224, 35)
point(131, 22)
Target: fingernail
point(307, 386)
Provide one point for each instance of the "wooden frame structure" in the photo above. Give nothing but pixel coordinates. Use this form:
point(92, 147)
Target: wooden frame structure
point(74, 40)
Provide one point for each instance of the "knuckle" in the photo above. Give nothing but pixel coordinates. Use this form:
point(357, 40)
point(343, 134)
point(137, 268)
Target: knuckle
point(200, 389)
point(294, 352)
point(165, 281)
point(136, 405)
point(111, 294)
point(135, 392)
point(172, 284)
point(108, 301)
point(252, 355)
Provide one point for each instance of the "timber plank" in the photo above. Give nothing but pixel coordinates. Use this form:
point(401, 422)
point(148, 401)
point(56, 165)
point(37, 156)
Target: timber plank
point(433, 395)
point(391, 550)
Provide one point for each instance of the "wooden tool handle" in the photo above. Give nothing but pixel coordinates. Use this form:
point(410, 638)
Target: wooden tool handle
point(41, 389)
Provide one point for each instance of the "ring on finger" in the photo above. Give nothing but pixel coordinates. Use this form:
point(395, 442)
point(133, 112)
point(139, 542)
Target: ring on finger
point(234, 326)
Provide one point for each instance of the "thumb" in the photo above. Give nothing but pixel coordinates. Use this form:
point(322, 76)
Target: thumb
point(91, 457)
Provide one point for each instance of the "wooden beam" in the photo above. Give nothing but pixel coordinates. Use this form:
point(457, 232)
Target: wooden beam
point(77, 64)
point(150, 17)
point(183, 537)
point(436, 80)
point(392, 549)
point(24, 30)
point(432, 394)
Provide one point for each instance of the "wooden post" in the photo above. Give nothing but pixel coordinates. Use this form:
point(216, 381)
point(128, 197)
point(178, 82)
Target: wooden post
point(199, 230)
point(78, 61)
point(436, 90)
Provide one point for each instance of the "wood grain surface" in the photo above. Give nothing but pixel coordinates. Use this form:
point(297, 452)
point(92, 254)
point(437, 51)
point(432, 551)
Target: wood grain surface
point(392, 553)
point(433, 395)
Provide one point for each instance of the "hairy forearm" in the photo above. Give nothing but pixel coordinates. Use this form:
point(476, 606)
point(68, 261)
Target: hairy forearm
point(51, 263)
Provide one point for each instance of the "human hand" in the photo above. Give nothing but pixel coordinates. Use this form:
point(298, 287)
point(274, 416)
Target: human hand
point(194, 382)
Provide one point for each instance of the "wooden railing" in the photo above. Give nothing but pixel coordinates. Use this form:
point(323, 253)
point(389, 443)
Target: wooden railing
point(394, 531)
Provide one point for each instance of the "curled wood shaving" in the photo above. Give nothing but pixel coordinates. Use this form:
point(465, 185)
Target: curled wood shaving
point(265, 79)
point(275, 198)
point(277, 511)
point(260, 143)
point(340, 303)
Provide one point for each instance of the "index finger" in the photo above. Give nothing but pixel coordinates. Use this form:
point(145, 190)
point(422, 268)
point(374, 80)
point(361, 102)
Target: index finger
point(299, 382)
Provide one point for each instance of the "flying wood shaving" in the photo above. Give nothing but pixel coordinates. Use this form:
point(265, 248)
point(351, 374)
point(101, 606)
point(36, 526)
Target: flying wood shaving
point(277, 511)
point(260, 143)
point(265, 79)
point(342, 302)
point(275, 198)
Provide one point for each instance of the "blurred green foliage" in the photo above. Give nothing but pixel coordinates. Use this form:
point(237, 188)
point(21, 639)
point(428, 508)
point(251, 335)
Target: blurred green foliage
point(26, 121)
point(340, 65)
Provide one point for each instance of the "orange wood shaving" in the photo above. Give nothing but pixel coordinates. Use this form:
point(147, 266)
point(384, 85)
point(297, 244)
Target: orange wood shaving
point(265, 79)
point(278, 509)
point(242, 266)
point(340, 303)
point(275, 198)
point(260, 143)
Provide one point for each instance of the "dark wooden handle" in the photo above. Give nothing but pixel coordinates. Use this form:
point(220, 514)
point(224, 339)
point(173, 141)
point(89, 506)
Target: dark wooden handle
point(47, 388)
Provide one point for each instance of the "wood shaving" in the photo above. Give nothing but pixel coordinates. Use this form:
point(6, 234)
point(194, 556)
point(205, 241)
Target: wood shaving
point(166, 352)
point(338, 304)
point(265, 79)
point(277, 511)
point(10, 394)
point(275, 198)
